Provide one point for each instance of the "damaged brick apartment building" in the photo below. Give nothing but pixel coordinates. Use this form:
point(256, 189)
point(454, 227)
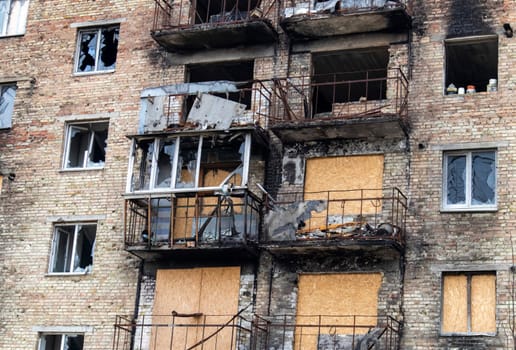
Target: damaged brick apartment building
point(257, 174)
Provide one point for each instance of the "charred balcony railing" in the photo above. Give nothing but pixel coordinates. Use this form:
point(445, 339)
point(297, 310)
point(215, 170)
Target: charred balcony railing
point(358, 215)
point(341, 96)
point(192, 220)
point(225, 103)
point(319, 332)
point(209, 13)
point(315, 7)
point(188, 331)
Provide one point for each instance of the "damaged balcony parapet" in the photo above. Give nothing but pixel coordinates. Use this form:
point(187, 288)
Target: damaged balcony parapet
point(217, 105)
point(339, 218)
point(369, 103)
point(255, 332)
point(316, 19)
point(202, 219)
point(184, 25)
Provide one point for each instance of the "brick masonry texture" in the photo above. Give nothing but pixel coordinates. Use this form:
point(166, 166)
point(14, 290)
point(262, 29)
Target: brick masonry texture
point(49, 95)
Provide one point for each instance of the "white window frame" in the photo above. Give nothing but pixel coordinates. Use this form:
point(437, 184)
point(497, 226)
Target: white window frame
point(98, 31)
point(64, 336)
point(54, 248)
point(467, 206)
point(68, 138)
point(14, 19)
point(152, 182)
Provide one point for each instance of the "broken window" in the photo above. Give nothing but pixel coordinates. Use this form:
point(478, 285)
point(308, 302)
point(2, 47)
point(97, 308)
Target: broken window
point(468, 303)
point(347, 76)
point(86, 145)
point(471, 62)
point(72, 248)
point(97, 49)
point(470, 180)
point(13, 17)
point(7, 94)
point(61, 342)
point(189, 162)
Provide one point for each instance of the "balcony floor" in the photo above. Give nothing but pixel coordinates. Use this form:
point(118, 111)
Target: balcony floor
point(208, 36)
point(312, 26)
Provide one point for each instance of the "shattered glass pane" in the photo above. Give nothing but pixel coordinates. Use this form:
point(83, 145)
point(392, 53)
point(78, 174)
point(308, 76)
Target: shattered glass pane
point(187, 162)
point(108, 48)
point(483, 178)
point(97, 149)
point(74, 342)
point(143, 165)
point(456, 179)
point(83, 259)
point(63, 245)
point(165, 163)
point(87, 145)
point(4, 16)
point(87, 51)
point(7, 94)
point(222, 160)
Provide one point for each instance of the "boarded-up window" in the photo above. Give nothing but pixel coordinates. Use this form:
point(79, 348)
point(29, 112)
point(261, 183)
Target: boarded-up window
point(212, 292)
point(351, 185)
point(469, 303)
point(340, 300)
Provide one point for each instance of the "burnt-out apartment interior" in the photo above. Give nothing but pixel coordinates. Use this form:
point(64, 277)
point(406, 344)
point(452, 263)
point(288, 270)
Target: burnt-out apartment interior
point(270, 214)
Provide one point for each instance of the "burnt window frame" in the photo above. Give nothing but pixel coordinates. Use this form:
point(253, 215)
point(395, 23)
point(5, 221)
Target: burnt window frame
point(96, 30)
point(90, 125)
point(69, 257)
point(468, 41)
point(20, 17)
point(468, 186)
point(469, 275)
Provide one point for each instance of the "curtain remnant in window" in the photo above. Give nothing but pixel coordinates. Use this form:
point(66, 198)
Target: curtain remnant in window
point(7, 95)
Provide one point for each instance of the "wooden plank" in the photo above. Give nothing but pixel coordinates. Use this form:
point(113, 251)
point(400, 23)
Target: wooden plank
point(455, 304)
point(483, 303)
point(335, 295)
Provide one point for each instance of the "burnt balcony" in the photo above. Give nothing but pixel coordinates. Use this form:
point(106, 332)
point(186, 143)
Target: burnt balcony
point(312, 19)
point(216, 332)
point(192, 224)
point(333, 221)
point(211, 105)
point(359, 104)
point(192, 25)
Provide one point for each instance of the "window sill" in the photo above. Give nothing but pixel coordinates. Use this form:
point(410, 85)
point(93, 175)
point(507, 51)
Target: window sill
point(487, 209)
point(98, 72)
point(12, 35)
point(67, 274)
point(450, 335)
point(482, 93)
point(73, 170)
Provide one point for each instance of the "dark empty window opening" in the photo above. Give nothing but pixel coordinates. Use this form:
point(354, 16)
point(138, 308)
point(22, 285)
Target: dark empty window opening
point(239, 72)
point(471, 62)
point(223, 11)
point(348, 76)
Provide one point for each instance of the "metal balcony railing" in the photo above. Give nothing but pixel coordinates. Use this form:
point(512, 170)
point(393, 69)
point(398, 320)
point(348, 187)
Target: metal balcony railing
point(315, 7)
point(192, 219)
point(317, 332)
point(246, 103)
point(216, 332)
point(364, 214)
point(341, 96)
point(183, 14)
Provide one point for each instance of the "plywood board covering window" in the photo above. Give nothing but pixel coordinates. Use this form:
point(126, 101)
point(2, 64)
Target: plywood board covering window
point(469, 303)
point(349, 178)
point(210, 291)
point(339, 297)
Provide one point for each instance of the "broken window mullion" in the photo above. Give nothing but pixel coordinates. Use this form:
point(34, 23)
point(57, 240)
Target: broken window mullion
point(246, 160)
point(5, 15)
point(154, 162)
point(87, 152)
point(198, 163)
point(173, 180)
point(97, 49)
point(74, 247)
point(130, 174)
point(469, 177)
